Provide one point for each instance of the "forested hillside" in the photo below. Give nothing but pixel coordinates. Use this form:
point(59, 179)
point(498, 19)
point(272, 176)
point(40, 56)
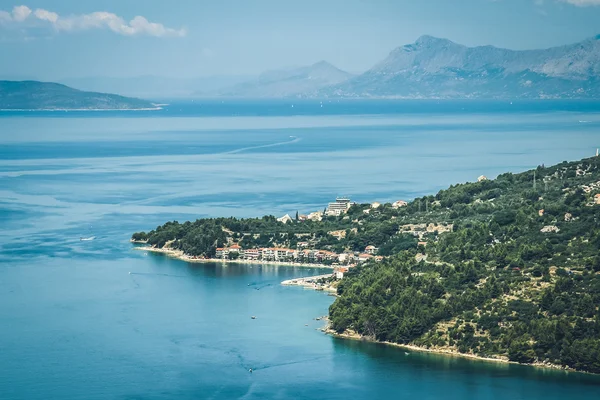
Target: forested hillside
point(506, 268)
point(517, 278)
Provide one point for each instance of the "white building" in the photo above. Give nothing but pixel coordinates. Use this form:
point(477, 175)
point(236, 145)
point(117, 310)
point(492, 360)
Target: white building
point(315, 216)
point(251, 254)
point(399, 203)
point(371, 249)
point(341, 205)
point(285, 219)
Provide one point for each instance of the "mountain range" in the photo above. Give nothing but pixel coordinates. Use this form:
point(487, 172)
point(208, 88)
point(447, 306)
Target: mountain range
point(287, 82)
point(34, 95)
point(429, 68)
point(439, 68)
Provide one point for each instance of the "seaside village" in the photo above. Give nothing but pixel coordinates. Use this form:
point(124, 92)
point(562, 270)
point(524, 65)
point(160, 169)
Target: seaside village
point(303, 253)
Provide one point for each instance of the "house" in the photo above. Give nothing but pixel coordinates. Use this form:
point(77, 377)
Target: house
point(481, 178)
point(541, 212)
point(568, 217)
point(549, 228)
point(375, 205)
point(302, 244)
point(378, 258)
point(340, 271)
point(364, 257)
point(315, 216)
point(235, 248)
point(399, 203)
point(422, 244)
point(251, 254)
point(597, 198)
point(285, 219)
point(222, 252)
point(267, 254)
point(371, 249)
point(302, 217)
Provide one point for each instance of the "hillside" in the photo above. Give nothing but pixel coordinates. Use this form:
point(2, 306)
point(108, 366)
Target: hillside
point(292, 82)
point(439, 68)
point(518, 278)
point(34, 95)
point(506, 268)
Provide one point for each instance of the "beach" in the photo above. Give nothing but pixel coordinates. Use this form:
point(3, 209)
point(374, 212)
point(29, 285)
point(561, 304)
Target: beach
point(180, 255)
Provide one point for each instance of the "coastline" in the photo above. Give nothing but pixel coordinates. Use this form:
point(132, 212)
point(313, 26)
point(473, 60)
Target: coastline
point(308, 282)
point(180, 255)
point(351, 335)
point(80, 109)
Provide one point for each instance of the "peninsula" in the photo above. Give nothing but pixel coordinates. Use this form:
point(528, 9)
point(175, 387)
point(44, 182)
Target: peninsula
point(505, 269)
point(34, 95)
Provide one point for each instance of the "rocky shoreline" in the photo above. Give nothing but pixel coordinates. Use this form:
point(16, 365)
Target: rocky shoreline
point(349, 334)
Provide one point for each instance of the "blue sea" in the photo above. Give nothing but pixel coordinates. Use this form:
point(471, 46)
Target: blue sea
point(97, 320)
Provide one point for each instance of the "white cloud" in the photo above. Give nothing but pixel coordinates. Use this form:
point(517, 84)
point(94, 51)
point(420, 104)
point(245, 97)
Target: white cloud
point(45, 15)
point(583, 3)
point(20, 13)
point(138, 26)
point(5, 16)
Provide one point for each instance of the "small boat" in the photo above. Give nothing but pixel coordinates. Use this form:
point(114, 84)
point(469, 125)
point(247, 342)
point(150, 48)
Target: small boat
point(250, 370)
point(405, 353)
point(253, 317)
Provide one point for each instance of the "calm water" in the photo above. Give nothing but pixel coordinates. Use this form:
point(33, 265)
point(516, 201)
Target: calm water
point(76, 325)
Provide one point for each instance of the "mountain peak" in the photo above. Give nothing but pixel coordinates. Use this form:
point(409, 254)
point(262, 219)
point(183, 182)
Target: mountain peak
point(323, 63)
point(428, 40)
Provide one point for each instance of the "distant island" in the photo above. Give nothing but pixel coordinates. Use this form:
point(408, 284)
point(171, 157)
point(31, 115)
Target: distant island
point(505, 269)
point(34, 95)
point(290, 82)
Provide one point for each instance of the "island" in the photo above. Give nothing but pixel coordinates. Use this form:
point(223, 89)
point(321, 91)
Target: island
point(34, 95)
point(506, 269)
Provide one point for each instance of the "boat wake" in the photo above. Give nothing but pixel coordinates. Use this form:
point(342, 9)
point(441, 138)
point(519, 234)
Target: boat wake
point(251, 367)
point(87, 239)
point(295, 140)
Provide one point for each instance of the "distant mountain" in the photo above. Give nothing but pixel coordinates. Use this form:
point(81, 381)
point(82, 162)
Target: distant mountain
point(34, 95)
point(155, 87)
point(439, 68)
point(292, 82)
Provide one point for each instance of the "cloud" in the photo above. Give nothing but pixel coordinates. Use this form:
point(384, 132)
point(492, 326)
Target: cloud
point(20, 13)
point(583, 3)
point(23, 16)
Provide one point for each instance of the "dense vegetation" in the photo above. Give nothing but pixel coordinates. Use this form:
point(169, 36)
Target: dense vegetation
point(515, 274)
point(202, 237)
point(497, 285)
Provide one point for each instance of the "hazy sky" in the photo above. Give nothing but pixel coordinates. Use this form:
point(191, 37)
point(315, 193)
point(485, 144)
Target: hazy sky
point(187, 38)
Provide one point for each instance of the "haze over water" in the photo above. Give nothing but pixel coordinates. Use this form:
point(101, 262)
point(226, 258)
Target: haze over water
point(76, 325)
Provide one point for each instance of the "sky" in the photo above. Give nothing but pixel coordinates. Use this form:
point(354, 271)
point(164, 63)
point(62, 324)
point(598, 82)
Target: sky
point(52, 40)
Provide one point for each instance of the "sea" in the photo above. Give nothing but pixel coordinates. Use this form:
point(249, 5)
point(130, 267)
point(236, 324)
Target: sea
point(96, 319)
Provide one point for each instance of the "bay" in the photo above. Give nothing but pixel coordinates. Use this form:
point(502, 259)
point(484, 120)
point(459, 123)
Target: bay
point(76, 324)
